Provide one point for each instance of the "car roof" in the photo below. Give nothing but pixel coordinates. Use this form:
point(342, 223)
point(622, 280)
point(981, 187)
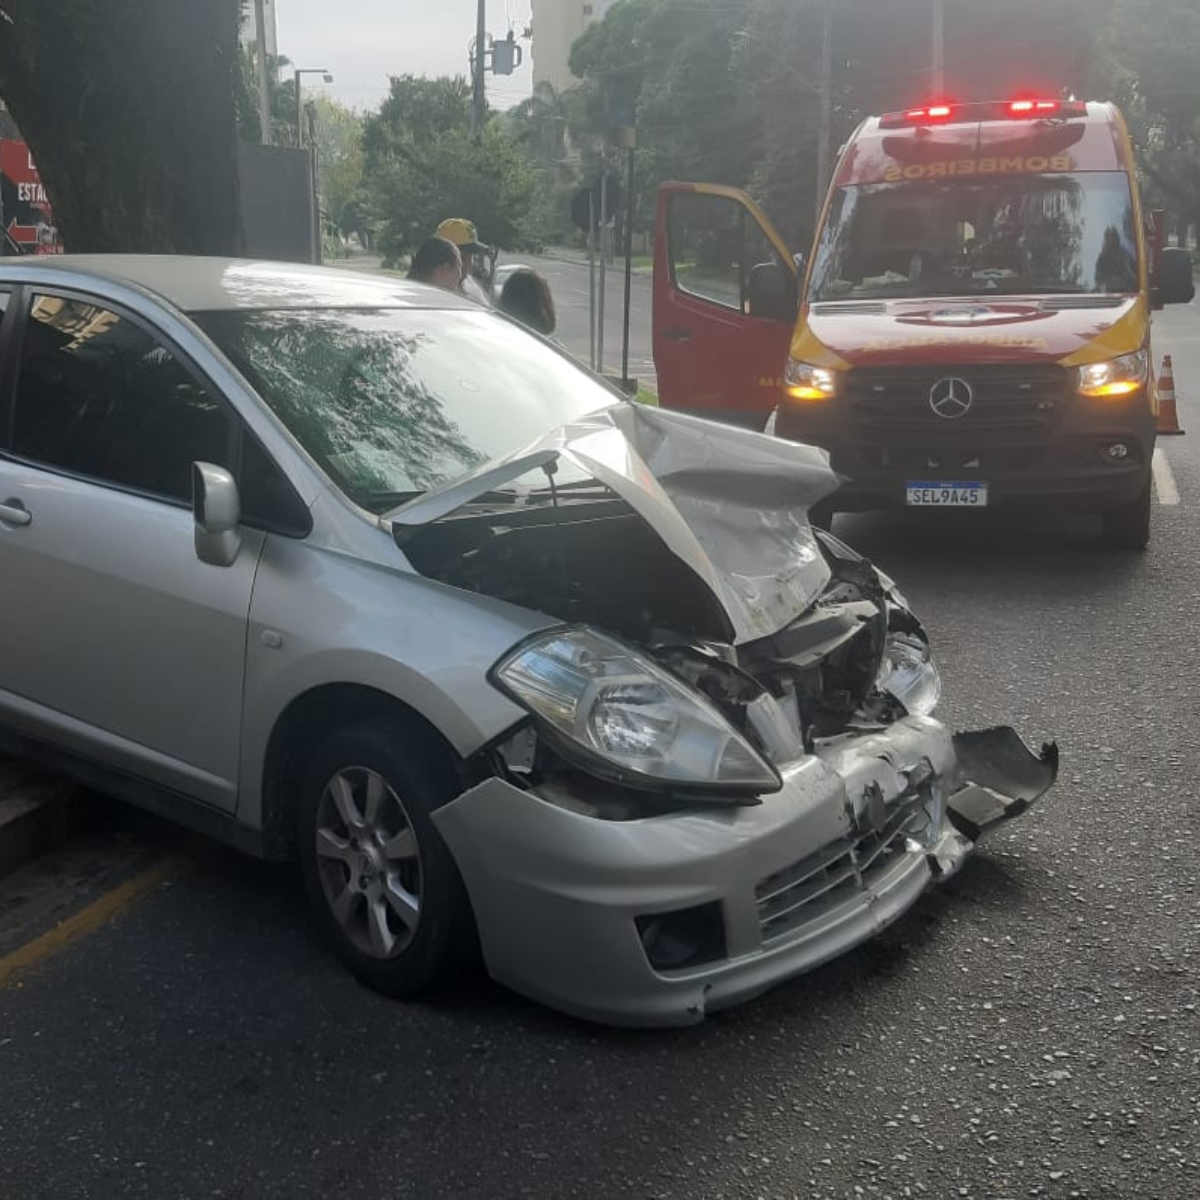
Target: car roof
point(197, 284)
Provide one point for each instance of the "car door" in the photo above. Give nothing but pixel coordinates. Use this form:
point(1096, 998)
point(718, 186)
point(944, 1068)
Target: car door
point(725, 299)
point(116, 643)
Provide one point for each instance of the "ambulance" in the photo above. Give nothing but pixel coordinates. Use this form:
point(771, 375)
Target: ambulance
point(971, 328)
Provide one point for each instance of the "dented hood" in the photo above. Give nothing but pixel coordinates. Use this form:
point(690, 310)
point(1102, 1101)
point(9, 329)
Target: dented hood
point(730, 503)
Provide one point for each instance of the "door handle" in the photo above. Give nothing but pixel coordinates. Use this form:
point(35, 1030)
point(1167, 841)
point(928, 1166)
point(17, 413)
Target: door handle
point(13, 512)
point(677, 335)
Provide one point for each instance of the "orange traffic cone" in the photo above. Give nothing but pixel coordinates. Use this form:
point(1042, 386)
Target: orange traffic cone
point(1168, 419)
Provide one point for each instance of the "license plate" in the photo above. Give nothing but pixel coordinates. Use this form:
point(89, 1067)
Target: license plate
point(949, 495)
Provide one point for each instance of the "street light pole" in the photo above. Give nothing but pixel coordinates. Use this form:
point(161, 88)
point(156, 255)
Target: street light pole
point(939, 50)
point(479, 94)
point(264, 85)
point(314, 210)
point(824, 130)
point(299, 113)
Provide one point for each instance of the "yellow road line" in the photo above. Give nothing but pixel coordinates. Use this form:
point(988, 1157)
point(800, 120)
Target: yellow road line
point(102, 910)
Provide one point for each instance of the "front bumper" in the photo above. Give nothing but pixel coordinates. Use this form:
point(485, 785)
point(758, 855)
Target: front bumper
point(858, 832)
point(1067, 460)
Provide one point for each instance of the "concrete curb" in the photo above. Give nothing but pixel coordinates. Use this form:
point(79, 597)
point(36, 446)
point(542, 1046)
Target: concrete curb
point(33, 812)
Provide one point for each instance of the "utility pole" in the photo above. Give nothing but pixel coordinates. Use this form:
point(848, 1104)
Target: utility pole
point(825, 130)
point(479, 96)
point(939, 50)
point(264, 82)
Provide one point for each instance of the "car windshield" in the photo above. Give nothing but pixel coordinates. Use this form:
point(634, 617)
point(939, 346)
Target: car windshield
point(393, 402)
point(958, 237)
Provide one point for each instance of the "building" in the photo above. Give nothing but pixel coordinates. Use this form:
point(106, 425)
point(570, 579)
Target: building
point(248, 33)
point(556, 25)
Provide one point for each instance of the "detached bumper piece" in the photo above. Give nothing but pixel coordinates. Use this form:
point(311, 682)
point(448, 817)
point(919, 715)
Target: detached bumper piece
point(1000, 777)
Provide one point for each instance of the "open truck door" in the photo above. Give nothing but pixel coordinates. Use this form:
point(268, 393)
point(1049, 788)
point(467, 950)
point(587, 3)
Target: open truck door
point(725, 297)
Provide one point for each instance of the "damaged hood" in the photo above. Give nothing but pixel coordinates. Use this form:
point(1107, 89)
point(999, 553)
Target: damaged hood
point(730, 503)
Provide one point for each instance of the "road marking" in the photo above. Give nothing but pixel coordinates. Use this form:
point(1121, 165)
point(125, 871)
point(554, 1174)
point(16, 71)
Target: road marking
point(1164, 479)
point(102, 910)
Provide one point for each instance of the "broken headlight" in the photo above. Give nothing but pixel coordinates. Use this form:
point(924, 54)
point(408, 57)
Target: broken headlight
point(622, 717)
point(908, 673)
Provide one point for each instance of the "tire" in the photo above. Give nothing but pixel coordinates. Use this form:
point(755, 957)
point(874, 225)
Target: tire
point(382, 883)
point(1127, 527)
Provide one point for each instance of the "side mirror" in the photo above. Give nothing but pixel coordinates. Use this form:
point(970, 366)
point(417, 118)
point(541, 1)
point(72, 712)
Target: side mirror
point(1177, 283)
point(216, 512)
point(771, 292)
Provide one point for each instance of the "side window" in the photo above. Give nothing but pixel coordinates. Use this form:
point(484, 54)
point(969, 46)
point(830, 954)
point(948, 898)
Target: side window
point(98, 396)
point(719, 253)
point(268, 500)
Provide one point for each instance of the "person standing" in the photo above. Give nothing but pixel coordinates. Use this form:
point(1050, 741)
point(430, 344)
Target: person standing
point(476, 257)
point(437, 261)
point(526, 297)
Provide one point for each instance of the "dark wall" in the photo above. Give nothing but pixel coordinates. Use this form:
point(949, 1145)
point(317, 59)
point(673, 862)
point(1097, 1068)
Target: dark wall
point(276, 203)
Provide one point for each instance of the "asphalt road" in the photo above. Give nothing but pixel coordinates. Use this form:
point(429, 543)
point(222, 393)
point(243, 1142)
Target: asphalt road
point(1031, 1030)
point(569, 285)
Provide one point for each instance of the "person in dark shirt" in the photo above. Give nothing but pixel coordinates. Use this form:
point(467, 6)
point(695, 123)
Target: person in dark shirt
point(437, 261)
point(526, 297)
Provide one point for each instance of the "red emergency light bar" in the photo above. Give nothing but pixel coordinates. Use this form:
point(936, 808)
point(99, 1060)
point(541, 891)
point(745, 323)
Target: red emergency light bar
point(933, 114)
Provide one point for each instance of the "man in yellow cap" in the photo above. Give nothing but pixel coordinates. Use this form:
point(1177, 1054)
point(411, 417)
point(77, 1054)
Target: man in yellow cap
point(475, 256)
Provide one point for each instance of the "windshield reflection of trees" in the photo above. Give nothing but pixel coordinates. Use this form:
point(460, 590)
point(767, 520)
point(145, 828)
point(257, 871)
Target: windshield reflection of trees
point(1052, 233)
point(357, 401)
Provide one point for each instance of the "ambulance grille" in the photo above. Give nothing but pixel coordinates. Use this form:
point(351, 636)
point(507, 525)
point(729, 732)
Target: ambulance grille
point(1003, 397)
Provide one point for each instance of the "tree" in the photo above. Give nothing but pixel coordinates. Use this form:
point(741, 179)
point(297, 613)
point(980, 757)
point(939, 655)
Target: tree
point(340, 160)
point(128, 108)
point(1150, 62)
point(421, 166)
point(281, 97)
point(539, 126)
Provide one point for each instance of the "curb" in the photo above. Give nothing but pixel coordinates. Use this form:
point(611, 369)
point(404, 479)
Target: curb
point(33, 813)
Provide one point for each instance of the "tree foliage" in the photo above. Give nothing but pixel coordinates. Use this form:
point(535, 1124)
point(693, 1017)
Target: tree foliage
point(729, 91)
point(421, 165)
point(129, 109)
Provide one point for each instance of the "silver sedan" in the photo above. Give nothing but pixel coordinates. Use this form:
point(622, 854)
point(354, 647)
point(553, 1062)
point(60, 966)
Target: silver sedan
point(350, 569)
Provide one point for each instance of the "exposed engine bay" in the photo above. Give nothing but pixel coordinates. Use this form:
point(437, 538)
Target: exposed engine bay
point(594, 561)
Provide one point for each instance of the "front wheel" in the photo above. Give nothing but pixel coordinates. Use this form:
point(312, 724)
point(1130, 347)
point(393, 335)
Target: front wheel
point(1127, 527)
point(379, 877)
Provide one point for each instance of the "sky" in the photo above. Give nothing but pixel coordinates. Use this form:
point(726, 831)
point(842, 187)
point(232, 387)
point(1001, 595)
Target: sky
point(362, 42)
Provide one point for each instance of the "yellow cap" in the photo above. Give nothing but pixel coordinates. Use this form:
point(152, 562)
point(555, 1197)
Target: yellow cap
point(462, 233)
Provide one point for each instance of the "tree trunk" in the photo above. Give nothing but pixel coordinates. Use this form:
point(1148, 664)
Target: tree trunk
point(128, 110)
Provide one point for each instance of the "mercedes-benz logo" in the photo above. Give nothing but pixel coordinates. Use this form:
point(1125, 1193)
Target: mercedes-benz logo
point(951, 397)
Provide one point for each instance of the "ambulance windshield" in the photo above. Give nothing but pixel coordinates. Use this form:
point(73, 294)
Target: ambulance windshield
point(1016, 234)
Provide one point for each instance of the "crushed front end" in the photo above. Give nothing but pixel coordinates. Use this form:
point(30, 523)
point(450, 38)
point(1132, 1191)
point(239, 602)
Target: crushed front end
point(724, 779)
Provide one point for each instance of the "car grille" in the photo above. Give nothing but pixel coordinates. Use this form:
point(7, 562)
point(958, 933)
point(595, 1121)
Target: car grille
point(820, 883)
point(1017, 397)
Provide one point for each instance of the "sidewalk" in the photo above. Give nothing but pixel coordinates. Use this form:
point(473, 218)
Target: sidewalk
point(577, 257)
point(33, 812)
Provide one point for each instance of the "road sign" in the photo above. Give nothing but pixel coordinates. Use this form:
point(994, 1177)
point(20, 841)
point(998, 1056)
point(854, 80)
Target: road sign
point(24, 208)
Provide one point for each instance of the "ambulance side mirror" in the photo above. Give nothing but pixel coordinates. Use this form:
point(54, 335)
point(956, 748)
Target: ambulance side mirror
point(1177, 284)
point(771, 292)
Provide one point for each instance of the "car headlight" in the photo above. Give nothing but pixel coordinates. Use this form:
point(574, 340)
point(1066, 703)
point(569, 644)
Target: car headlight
point(908, 673)
point(1116, 377)
point(623, 717)
point(803, 381)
